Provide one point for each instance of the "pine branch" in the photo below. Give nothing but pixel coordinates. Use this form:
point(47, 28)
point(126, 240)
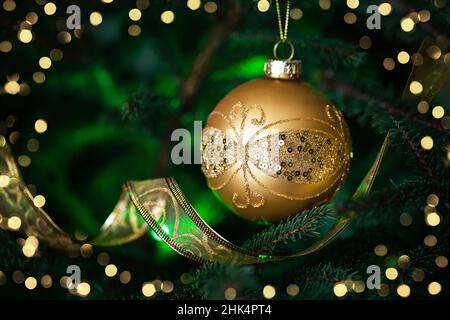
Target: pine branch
point(212, 280)
point(317, 282)
point(303, 225)
point(414, 148)
point(324, 51)
point(387, 107)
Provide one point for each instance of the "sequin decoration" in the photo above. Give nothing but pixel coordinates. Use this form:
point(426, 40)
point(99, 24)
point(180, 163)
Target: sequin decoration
point(219, 152)
point(299, 156)
point(304, 156)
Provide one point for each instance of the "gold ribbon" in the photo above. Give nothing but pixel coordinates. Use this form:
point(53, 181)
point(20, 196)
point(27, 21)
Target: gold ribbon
point(159, 204)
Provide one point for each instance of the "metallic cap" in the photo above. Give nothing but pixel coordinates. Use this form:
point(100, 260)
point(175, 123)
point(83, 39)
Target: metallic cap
point(283, 69)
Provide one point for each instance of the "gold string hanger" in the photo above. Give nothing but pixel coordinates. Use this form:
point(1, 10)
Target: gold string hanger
point(283, 30)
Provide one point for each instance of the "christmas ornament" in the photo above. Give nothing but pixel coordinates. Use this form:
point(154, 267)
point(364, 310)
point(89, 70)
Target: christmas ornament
point(273, 147)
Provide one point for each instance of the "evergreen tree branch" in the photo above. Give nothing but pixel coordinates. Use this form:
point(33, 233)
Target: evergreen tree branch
point(387, 107)
point(414, 149)
point(303, 225)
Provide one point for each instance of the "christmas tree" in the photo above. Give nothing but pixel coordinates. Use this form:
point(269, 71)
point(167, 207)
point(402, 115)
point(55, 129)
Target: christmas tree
point(91, 97)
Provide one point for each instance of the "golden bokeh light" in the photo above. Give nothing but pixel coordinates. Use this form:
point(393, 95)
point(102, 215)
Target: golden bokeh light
point(63, 37)
point(40, 126)
point(5, 46)
point(28, 250)
point(230, 294)
point(125, 277)
point(438, 112)
point(30, 283)
point(432, 200)
point(50, 8)
point(142, 4)
point(407, 24)
point(415, 87)
point(441, 261)
point(358, 286)
point(46, 281)
point(405, 219)
point(194, 4)
point(381, 250)
point(39, 201)
point(4, 180)
point(403, 261)
point(427, 143)
point(269, 291)
point(39, 77)
point(134, 30)
point(12, 87)
point(210, 7)
point(32, 17)
point(418, 275)
point(9, 5)
point(167, 286)
point(103, 258)
point(292, 290)
point(56, 54)
point(110, 270)
point(45, 62)
point(14, 223)
point(24, 161)
point(423, 107)
point(340, 290)
point(434, 52)
point(403, 290)
point(432, 219)
point(325, 4)
point(350, 18)
point(148, 289)
point(24, 89)
point(167, 16)
point(391, 273)
point(424, 15)
point(25, 35)
point(95, 18)
point(384, 290)
point(353, 4)
point(135, 14)
point(296, 14)
point(385, 9)
point(389, 64)
point(430, 240)
point(434, 288)
point(403, 57)
point(263, 5)
point(86, 250)
point(83, 289)
point(365, 42)
point(18, 276)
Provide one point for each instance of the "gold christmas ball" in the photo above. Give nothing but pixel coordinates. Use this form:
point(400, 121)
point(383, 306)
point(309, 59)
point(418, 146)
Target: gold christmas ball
point(273, 147)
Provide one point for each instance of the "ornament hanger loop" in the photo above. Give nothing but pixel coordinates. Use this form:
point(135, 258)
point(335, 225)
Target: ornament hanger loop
point(287, 42)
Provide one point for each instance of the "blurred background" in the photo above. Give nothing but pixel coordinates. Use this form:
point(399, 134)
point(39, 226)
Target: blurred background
point(87, 110)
